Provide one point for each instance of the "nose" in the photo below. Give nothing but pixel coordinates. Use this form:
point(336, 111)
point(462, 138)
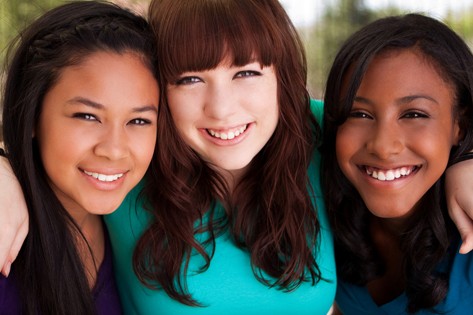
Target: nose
point(220, 102)
point(385, 141)
point(113, 144)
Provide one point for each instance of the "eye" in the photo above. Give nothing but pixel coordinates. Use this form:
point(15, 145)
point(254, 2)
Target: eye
point(359, 114)
point(85, 116)
point(187, 80)
point(247, 73)
point(414, 114)
point(139, 121)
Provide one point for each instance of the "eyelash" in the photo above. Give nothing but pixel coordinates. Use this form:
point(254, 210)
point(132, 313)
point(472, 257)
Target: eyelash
point(247, 73)
point(359, 114)
point(407, 115)
point(187, 80)
point(141, 121)
point(194, 79)
point(414, 115)
point(90, 117)
point(85, 116)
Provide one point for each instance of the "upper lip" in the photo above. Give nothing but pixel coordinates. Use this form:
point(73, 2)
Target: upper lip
point(107, 172)
point(226, 128)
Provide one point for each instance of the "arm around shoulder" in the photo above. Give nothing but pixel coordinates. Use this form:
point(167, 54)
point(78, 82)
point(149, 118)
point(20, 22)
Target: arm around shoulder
point(459, 194)
point(13, 215)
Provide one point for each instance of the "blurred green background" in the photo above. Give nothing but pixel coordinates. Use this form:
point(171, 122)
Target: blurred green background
point(323, 24)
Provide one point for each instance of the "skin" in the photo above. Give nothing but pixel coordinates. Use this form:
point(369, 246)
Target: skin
point(100, 118)
point(233, 115)
point(458, 186)
point(397, 122)
point(403, 129)
point(96, 136)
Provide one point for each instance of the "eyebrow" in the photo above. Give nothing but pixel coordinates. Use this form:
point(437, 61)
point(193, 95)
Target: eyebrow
point(90, 103)
point(399, 101)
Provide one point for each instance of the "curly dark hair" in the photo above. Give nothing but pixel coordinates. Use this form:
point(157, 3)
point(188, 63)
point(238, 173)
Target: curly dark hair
point(426, 240)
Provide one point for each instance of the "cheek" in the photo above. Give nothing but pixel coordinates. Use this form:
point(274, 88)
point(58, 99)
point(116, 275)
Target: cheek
point(143, 148)
point(345, 145)
point(182, 116)
point(57, 142)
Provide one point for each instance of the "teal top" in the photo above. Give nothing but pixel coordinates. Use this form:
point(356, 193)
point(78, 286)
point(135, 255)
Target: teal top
point(354, 300)
point(228, 286)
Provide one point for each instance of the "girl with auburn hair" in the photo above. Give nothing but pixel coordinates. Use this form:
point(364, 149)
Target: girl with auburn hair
point(235, 221)
point(79, 120)
point(398, 110)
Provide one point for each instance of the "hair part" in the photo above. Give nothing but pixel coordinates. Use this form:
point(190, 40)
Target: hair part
point(427, 241)
point(270, 212)
point(62, 37)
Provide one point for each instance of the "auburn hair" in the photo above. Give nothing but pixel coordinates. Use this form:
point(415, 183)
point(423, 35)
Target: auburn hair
point(270, 212)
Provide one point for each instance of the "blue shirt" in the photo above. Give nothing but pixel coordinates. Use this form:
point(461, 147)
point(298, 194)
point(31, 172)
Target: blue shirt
point(356, 300)
point(105, 293)
point(228, 286)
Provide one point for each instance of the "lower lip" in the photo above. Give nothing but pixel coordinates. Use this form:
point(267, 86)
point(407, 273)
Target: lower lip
point(105, 186)
point(234, 141)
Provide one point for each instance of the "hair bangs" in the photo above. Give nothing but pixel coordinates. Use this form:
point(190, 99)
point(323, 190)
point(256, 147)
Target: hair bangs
point(206, 33)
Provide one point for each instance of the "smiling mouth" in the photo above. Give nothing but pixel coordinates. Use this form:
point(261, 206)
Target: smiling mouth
point(390, 174)
point(228, 134)
point(103, 177)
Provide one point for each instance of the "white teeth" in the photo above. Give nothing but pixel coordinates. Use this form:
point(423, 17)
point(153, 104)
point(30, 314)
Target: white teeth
point(389, 174)
point(103, 177)
point(227, 136)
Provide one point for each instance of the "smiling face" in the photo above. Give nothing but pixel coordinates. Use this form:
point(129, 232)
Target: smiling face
point(226, 114)
point(97, 131)
point(396, 142)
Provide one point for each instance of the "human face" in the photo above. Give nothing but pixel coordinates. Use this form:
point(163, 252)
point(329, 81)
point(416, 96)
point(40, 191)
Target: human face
point(396, 142)
point(226, 114)
point(97, 131)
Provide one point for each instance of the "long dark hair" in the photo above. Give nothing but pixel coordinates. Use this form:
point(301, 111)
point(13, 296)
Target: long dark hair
point(49, 271)
point(427, 239)
point(270, 212)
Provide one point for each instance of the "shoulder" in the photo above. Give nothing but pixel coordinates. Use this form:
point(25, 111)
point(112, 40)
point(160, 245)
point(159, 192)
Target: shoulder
point(9, 296)
point(317, 108)
point(105, 292)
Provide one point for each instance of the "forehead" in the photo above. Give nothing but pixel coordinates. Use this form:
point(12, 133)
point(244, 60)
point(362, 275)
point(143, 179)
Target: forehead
point(404, 74)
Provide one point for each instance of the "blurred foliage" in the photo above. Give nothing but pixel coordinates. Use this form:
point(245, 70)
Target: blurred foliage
point(15, 15)
point(337, 23)
point(347, 16)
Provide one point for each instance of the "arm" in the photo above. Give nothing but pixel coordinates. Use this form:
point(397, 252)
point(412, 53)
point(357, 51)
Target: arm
point(459, 190)
point(14, 217)
point(335, 310)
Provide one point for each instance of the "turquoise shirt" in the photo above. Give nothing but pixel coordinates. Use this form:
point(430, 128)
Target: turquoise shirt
point(228, 286)
point(355, 300)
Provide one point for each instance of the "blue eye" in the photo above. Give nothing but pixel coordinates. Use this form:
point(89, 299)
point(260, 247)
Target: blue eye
point(187, 80)
point(247, 73)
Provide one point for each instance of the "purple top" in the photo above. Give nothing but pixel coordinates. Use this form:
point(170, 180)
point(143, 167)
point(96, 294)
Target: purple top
point(105, 291)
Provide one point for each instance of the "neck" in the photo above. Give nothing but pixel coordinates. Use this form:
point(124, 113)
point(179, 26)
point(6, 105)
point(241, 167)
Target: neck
point(232, 177)
point(90, 245)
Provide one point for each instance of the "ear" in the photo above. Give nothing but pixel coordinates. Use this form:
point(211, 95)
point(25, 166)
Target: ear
point(458, 133)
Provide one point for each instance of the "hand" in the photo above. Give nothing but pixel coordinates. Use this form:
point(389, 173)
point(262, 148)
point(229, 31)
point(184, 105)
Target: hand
point(13, 215)
point(459, 194)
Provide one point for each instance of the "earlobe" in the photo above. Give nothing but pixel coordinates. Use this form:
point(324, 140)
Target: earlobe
point(458, 135)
